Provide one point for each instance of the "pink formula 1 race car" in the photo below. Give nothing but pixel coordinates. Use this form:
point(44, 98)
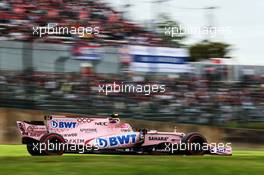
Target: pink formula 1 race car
point(83, 134)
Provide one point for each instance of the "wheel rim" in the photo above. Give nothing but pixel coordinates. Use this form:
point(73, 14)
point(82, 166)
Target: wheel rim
point(54, 145)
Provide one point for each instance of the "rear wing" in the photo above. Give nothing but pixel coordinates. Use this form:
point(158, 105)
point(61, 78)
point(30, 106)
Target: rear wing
point(32, 129)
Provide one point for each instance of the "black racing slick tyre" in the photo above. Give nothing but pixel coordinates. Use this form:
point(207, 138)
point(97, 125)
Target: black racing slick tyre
point(52, 144)
point(195, 144)
point(33, 149)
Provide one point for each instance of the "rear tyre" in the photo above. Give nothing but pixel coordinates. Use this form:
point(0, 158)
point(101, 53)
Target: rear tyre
point(33, 149)
point(195, 144)
point(52, 144)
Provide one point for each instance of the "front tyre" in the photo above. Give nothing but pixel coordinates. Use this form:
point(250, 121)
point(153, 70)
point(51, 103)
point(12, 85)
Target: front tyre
point(194, 144)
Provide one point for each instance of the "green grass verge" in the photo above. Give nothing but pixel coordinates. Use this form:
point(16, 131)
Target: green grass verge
point(14, 159)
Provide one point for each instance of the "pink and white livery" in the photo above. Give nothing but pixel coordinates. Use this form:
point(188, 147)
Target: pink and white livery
point(84, 134)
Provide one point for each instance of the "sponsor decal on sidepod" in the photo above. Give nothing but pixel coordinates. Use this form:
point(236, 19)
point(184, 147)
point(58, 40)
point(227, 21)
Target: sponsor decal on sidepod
point(158, 138)
point(117, 140)
point(62, 125)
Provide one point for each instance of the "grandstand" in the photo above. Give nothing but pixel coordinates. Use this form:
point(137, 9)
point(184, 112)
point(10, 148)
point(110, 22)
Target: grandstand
point(45, 73)
point(19, 17)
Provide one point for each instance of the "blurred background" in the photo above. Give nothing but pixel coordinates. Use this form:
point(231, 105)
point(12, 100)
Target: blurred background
point(208, 80)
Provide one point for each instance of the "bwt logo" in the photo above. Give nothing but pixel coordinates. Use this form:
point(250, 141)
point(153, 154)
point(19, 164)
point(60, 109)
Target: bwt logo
point(55, 124)
point(116, 140)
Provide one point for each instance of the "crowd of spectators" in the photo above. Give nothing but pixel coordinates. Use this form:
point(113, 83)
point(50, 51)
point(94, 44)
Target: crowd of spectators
point(187, 99)
point(19, 17)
